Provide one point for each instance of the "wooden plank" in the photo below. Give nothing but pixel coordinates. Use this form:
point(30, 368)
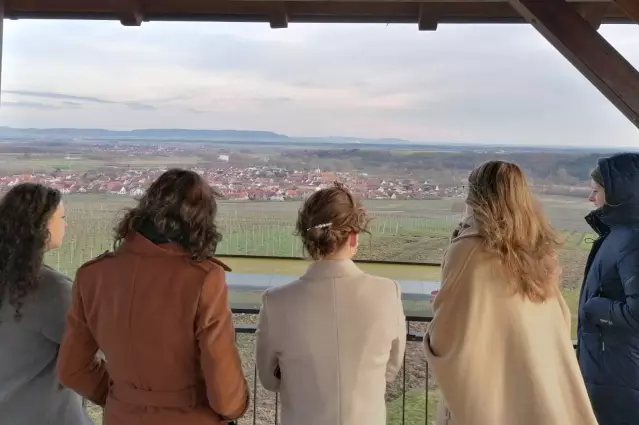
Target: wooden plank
point(587, 50)
point(414, 1)
point(630, 8)
point(593, 13)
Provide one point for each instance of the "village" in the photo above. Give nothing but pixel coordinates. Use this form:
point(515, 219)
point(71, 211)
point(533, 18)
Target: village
point(241, 184)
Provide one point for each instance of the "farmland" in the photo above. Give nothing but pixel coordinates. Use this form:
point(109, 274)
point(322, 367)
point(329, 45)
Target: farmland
point(402, 231)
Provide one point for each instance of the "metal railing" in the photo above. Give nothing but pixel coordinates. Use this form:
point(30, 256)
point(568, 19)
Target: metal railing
point(264, 406)
point(409, 401)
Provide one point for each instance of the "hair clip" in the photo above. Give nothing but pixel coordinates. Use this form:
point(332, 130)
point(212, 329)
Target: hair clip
point(320, 226)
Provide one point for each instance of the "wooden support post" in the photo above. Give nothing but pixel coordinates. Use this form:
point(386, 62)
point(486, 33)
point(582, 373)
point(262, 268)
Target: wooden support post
point(587, 50)
point(630, 8)
point(593, 13)
point(2, 2)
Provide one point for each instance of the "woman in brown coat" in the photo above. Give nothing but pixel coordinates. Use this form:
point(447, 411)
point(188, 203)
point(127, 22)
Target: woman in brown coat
point(499, 344)
point(157, 308)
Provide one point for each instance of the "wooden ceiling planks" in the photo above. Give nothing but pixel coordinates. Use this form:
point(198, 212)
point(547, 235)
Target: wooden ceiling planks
point(279, 13)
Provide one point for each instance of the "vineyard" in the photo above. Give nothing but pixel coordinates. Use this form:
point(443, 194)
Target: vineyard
point(417, 233)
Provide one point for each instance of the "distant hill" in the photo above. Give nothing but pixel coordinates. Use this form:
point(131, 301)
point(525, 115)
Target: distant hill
point(354, 140)
point(141, 135)
point(176, 135)
point(66, 135)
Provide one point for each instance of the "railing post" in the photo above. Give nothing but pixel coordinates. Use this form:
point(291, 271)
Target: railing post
point(427, 392)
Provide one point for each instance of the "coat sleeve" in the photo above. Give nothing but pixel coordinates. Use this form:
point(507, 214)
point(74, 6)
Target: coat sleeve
point(451, 343)
point(624, 314)
point(446, 332)
point(226, 387)
point(268, 367)
point(79, 366)
point(398, 347)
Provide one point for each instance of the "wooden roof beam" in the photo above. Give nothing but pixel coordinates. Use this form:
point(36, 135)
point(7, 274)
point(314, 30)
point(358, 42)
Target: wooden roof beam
point(129, 12)
point(428, 18)
point(630, 8)
point(593, 13)
point(587, 50)
point(278, 16)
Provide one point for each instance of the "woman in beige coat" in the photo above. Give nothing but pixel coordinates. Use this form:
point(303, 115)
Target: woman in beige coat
point(499, 344)
point(329, 342)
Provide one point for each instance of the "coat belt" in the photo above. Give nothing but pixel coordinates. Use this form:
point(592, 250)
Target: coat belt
point(184, 398)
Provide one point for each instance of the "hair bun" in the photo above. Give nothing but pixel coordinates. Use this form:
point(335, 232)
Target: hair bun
point(327, 218)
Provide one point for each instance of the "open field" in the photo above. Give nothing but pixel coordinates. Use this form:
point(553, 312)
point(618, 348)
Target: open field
point(19, 163)
point(403, 231)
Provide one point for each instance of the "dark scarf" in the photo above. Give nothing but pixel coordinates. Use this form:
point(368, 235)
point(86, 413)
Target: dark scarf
point(146, 228)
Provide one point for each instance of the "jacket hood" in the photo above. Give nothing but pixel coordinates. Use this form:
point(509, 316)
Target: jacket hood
point(621, 184)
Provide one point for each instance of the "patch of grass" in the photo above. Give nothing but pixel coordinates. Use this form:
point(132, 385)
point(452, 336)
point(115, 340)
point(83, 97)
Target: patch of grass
point(95, 413)
point(572, 299)
point(415, 411)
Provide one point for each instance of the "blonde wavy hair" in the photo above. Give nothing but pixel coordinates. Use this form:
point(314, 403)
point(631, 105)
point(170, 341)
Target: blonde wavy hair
point(514, 228)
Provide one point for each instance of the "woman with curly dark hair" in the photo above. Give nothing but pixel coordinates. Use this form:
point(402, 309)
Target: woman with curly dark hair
point(34, 299)
point(157, 308)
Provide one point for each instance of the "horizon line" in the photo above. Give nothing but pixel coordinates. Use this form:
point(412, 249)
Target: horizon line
point(275, 133)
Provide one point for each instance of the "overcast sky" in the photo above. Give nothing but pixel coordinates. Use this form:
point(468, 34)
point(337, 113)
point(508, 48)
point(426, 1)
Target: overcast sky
point(461, 83)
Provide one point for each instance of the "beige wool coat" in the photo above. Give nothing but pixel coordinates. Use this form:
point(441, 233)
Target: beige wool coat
point(329, 342)
point(500, 359)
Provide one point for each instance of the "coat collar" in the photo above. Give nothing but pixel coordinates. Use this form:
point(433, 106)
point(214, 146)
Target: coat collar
point(467, 228)
point(595, 221)
point(138, 244)
point(329, 269)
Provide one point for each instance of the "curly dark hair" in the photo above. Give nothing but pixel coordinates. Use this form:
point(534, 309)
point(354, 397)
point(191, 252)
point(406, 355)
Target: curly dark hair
point(180, 205)
point(24, 218)
point(327, 218)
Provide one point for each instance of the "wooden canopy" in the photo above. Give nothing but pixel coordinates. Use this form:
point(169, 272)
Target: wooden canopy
point(278, 13)
point(570, 26)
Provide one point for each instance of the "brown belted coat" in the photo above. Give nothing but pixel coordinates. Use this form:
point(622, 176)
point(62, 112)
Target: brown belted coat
point(164, 327)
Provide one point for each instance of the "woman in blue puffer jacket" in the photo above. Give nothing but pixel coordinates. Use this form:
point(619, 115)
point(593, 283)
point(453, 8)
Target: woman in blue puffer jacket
point(608, 330)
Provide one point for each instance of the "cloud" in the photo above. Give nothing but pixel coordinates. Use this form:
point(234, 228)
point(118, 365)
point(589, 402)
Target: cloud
point(78, 100)
point(137, 106)
point(72, 104)
point(488, 83)
point(48, 95)
point(27, 105)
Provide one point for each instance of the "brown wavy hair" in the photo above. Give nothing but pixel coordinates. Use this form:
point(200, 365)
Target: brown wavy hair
point(514, 228)
point(327, 218)
point(24, 218)
point(180, 206)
